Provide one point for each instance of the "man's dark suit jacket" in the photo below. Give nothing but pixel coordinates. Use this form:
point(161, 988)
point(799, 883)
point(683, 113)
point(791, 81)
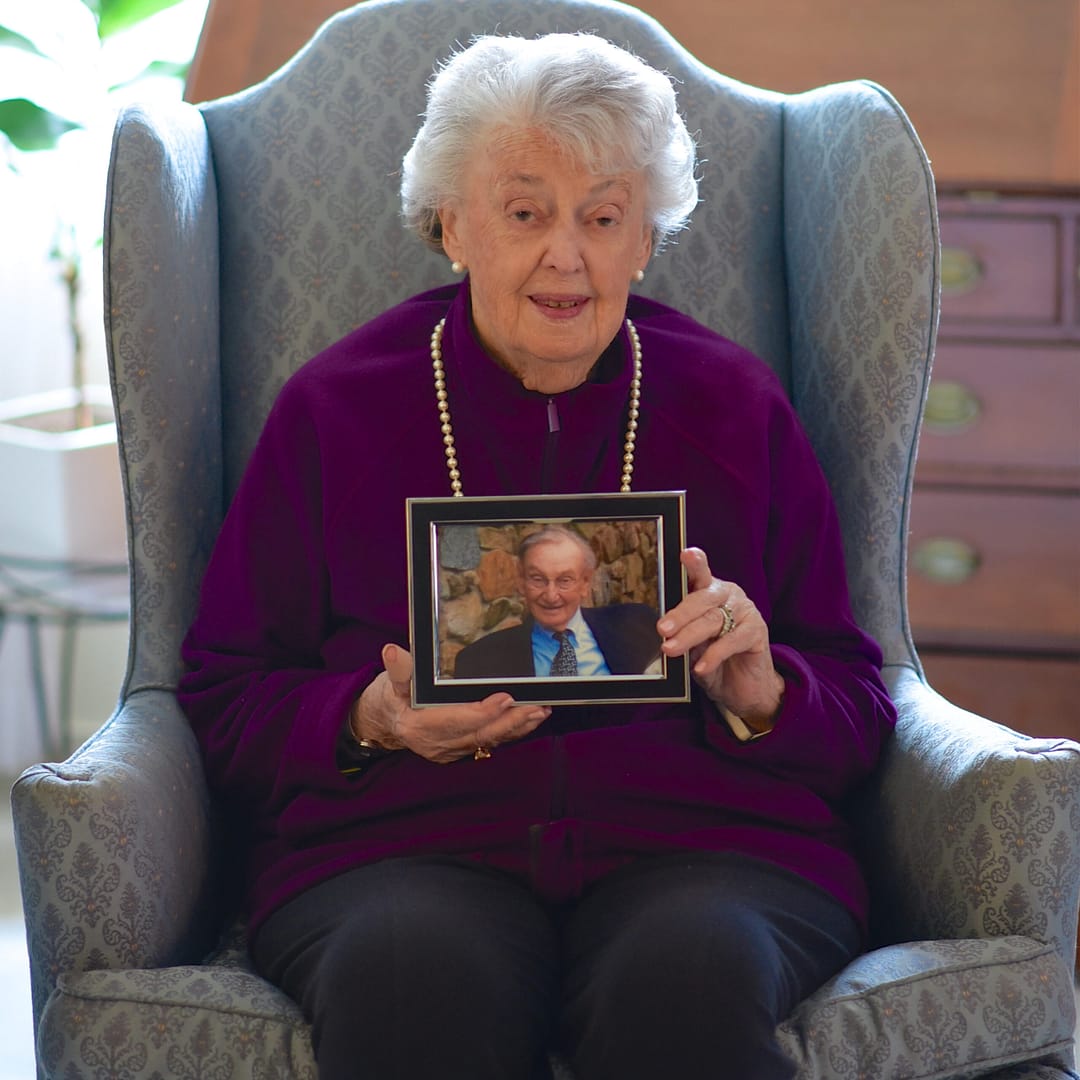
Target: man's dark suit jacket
point(625, 633)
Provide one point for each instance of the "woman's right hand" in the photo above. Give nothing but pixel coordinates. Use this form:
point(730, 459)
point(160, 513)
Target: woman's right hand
point(443, 733)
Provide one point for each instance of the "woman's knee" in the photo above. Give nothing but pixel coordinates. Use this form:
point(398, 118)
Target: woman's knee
point(445, 975)
point(687, 971)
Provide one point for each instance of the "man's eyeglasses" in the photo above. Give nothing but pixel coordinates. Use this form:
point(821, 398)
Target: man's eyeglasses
point(563, 583)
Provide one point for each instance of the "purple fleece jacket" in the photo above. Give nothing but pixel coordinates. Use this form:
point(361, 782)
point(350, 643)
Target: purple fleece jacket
point(308, 581)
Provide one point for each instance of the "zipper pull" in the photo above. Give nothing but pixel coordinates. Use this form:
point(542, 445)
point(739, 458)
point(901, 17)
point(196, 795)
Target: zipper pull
point(552, 416)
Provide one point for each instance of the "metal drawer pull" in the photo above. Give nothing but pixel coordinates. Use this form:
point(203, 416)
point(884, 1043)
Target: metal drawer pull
point(951, 407)
point(961, 270)
point(946, 561)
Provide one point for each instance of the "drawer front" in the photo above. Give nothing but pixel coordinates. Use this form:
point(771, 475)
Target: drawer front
point(1000, 570)
point(1036, 696)
point(1000, 269)
point(1013, 406)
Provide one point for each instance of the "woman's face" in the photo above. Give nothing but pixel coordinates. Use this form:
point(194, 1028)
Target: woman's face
point(551, 250)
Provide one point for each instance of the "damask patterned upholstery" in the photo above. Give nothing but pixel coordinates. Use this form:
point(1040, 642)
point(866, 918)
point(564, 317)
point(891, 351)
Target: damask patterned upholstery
point(243, 236)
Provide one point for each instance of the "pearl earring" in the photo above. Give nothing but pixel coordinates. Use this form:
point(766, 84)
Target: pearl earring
point(457, 267)
point(639, 276)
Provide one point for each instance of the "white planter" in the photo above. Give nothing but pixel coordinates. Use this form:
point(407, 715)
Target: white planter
point(60, 490)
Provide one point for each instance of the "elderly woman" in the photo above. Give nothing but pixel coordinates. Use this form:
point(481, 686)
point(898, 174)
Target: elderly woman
point(648, 888)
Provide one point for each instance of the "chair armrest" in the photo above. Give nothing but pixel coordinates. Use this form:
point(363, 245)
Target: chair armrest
point(114, 849)
point(973, 830)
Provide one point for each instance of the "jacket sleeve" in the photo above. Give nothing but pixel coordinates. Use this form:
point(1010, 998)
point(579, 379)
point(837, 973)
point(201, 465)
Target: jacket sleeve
point(836, 713)
point(265, 704)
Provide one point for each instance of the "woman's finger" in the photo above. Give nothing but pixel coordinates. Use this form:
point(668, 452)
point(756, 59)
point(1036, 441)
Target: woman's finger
point(709, 655)
point(698, 632)
point(696, 564)
point(398, 663)
point(514, 724)
point(705, 592)
point(700, 618)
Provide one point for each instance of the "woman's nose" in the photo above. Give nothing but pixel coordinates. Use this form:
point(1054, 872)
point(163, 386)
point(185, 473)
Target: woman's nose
point(565, 248)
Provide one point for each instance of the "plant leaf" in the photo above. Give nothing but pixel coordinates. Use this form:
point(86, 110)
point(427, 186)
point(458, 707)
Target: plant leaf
point(45, 83)
point(116, 15)
point(169, 69)
point(56, 28)
point(17, 41)
point(29, 126)
point(161, 69)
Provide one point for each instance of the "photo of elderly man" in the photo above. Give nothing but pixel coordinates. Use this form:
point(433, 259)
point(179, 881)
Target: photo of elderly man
point(560, 636)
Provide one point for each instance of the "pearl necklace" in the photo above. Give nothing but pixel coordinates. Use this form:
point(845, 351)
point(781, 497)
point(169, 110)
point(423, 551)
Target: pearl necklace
point(443, 404)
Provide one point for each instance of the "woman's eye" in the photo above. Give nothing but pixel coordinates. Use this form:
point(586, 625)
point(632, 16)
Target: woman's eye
point(606, 221)
point(522, 215)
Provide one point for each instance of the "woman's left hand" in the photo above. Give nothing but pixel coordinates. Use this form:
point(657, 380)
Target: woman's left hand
point(729, 654)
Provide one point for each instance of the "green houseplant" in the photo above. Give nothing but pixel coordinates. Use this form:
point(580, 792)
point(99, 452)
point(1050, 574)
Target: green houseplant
point(64, 65)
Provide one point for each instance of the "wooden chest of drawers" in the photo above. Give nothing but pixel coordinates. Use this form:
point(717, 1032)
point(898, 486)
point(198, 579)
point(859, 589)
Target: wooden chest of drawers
point(995, 533)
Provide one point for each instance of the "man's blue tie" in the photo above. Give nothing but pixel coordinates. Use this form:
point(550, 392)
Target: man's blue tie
point(565, 662)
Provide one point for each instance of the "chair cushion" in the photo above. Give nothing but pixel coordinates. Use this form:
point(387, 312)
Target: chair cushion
point(180, 1022)
point(937, 1009)
point(908, 1011)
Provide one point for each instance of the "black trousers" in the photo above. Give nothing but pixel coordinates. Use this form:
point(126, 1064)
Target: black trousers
point(435, 968)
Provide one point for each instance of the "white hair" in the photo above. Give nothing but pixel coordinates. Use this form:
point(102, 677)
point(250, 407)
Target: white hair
point(558, 534)
point(604, 106)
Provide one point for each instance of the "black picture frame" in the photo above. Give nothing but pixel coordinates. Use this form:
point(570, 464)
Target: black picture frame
point(451, 582)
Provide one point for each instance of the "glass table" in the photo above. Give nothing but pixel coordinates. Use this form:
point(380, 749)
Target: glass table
point(42, 593)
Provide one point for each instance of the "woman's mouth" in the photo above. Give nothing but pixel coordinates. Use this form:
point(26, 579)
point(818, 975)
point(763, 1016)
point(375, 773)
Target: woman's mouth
point(560, 304)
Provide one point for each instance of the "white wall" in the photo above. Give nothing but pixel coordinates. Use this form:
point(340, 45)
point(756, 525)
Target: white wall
point(35, 348)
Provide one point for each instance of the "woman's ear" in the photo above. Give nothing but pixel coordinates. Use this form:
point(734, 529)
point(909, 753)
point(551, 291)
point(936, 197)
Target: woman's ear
point(451, 241)
point(645, 251)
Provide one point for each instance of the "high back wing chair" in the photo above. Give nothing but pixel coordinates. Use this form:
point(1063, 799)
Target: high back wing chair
point(244, 235)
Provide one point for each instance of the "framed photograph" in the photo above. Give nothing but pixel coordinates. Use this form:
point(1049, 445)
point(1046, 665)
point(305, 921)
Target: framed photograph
point(554, 598)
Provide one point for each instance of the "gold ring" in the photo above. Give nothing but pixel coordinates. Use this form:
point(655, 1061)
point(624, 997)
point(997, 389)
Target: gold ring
point(481, 753)
point(729, 619)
